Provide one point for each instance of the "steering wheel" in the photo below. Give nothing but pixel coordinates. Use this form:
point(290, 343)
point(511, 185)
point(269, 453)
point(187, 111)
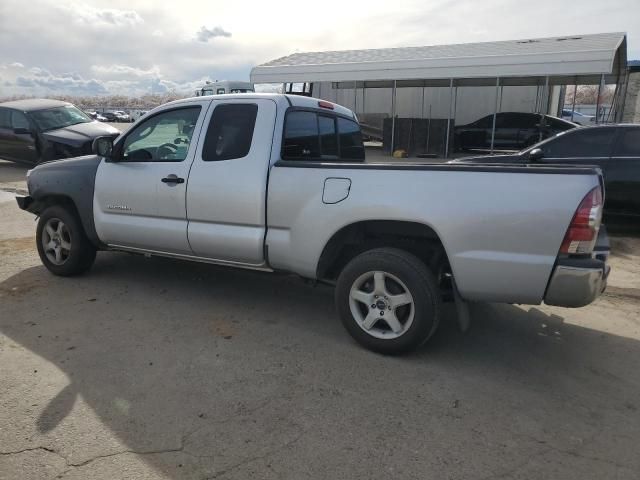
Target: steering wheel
point(166, 149)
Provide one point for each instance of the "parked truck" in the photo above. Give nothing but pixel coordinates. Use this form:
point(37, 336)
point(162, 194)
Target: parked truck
point(278, 183)
point(224, 87)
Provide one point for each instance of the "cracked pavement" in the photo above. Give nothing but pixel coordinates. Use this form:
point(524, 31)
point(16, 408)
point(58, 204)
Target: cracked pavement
point(159, 369)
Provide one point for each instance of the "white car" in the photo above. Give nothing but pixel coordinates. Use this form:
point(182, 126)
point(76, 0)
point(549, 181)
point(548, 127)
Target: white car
point(577, 117)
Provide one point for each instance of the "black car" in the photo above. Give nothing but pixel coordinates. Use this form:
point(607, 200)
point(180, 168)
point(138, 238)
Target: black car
point(614, 148)
point(110, 116)
point(36, 130)
point(514, 130)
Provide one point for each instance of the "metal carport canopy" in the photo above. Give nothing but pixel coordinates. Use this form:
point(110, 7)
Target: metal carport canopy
point(555, 56)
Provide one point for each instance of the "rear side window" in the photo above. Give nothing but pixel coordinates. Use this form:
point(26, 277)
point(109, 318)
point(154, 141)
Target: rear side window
point(301, 136)
point(328, 137)
point(558, 125)
point(317, 136)
point(351, 146)
point(629, 145)
point(230, 132)
point(587, 142)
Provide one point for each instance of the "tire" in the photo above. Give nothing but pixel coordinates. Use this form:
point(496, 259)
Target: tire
point(62, 244)
point(376, 283)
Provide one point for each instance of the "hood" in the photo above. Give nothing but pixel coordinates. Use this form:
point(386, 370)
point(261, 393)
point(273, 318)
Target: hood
point(77, 135)
point(72, 162)
point(512, 158)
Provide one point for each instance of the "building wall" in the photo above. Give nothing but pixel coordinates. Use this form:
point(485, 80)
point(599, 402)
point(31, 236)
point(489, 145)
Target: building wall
point(631, 112)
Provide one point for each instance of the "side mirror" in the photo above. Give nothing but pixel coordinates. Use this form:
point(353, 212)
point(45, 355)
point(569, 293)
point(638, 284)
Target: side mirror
point(535, 155)
point(21, 131)
point(102, 146)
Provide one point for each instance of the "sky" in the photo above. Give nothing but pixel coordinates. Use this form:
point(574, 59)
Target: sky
point(133, 47)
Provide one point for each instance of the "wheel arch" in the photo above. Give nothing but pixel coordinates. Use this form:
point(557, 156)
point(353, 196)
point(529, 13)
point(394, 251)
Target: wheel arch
point(43, 202)
point(349, 241)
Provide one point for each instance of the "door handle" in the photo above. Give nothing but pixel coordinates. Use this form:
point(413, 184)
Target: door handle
point(172, 179)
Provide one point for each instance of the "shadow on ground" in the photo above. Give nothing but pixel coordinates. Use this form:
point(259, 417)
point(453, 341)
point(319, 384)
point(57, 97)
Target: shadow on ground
point(207, 372)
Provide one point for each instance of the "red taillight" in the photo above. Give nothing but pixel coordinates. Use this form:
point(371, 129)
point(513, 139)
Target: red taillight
point(582, 233)
point(323, 104)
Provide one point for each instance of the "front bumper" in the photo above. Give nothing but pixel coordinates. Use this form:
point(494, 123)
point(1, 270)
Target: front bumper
point(24, 202)
point(576, 282)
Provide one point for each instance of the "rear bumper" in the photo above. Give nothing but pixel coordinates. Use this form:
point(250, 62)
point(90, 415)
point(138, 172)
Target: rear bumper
point(578, 282)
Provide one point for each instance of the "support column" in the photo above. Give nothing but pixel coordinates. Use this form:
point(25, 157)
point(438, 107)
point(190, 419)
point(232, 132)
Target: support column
point(355, 97)
point(393, 117)
point(446, 142)
point(547, 95)
point(575, 94)
point(598, 99)
point(495, 113)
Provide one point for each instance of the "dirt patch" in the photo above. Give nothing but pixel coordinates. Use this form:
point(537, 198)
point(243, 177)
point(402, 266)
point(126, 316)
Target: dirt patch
point(625, 247)
point(16, 245)
point(222, 328)
point(627, 293)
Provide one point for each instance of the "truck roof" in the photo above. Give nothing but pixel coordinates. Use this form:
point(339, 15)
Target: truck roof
point(281, 99)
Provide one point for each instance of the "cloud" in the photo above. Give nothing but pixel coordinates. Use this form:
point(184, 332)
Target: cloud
point(118, 70)
point(41, 80)
point(136, 46)
point(110, 17)
point(205, 34)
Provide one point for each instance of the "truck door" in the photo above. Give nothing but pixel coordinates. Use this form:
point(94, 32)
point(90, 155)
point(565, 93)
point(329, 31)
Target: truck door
point(227, 188)
point(23, 145)
point(6, 132)
point(140, 194)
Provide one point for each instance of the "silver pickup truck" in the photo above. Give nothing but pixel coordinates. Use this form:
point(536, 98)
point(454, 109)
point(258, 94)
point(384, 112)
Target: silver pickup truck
point(279, 183)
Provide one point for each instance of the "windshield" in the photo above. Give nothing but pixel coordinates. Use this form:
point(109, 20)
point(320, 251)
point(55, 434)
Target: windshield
point(59, 117)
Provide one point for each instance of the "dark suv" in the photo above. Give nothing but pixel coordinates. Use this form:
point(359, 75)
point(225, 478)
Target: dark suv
point(614, 148)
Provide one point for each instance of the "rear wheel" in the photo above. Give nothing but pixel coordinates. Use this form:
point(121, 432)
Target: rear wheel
point(62, 244)
point(388, 300)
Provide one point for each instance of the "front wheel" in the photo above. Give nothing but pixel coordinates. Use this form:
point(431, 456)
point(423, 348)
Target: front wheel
point(62, 244)
point(388, 300)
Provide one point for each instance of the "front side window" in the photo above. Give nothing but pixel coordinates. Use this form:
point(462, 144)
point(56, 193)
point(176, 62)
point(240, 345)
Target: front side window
point(588, 142)
point(165, 137)
point(59, 117)
point(5, 118)
point(220, 91)
point(629, 145)
point(19, 120)
point(230, 132)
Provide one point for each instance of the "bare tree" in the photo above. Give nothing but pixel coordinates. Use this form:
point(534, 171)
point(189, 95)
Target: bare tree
point(588, 95)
